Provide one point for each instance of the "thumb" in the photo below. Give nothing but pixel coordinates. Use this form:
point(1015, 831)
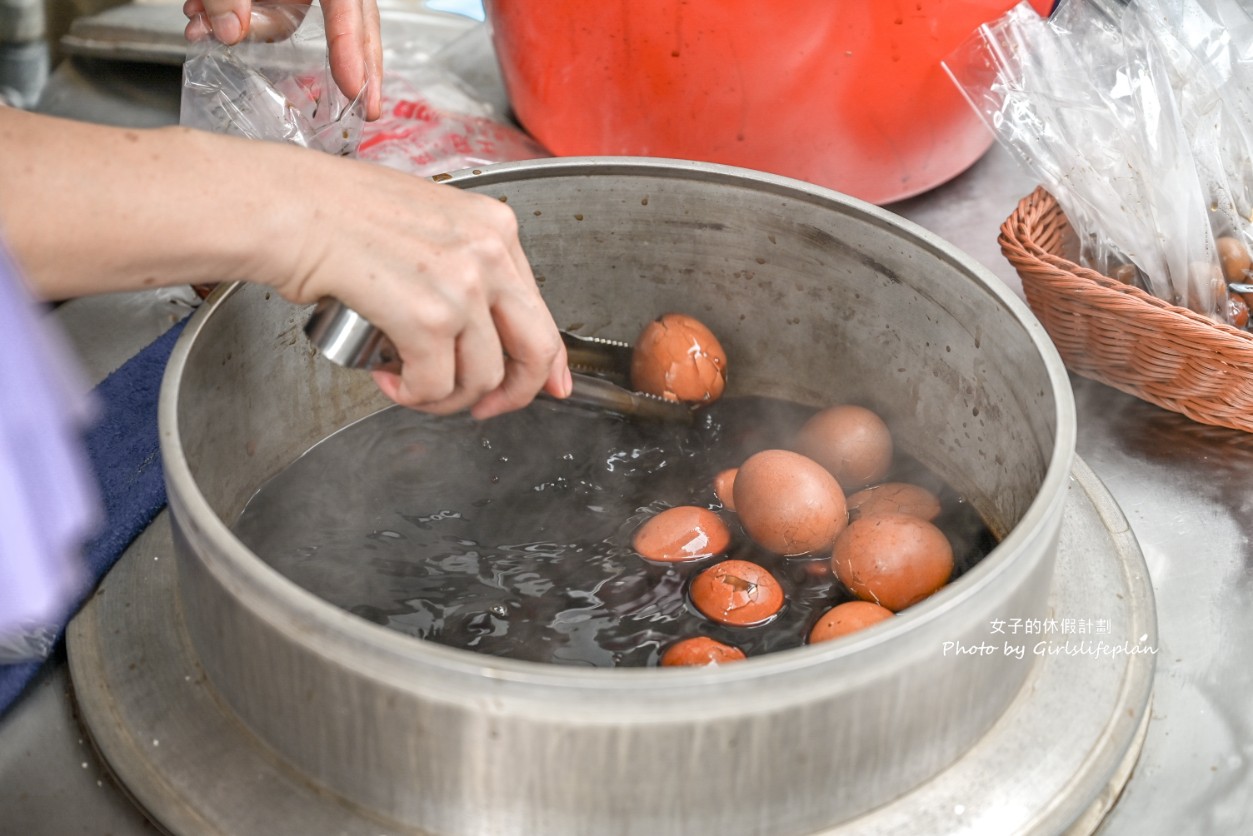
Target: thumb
point(559, 382)
point(228, 19)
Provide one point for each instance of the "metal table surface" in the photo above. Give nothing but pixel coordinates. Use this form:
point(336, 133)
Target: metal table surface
point(1185, 489)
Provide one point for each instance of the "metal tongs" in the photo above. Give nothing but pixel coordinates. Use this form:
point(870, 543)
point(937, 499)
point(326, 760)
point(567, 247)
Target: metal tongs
point(600, 368)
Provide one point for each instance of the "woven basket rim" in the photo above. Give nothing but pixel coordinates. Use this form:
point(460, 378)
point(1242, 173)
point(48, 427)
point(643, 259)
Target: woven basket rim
point(1123, 336)
point(1016, 229)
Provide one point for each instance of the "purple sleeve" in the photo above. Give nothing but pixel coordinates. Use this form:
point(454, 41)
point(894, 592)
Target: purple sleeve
point(48, 498)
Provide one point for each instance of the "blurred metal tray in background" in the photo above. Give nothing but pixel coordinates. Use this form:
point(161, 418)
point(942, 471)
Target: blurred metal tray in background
point(153, 32)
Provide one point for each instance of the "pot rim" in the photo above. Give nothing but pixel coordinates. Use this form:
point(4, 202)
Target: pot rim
point(381, 653)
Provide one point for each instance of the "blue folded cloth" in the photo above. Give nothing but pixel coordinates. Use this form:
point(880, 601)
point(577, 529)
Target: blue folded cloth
point(125, 456)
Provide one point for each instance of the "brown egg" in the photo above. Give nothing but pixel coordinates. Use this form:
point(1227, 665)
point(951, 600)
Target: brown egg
point(846, 618)
point(850, 441)
point(699, 651)
point(894, 496)
point(686, 532)
point(1234, 258)
point(892, 559)
point(724, 487)
point(1237, 311)
point(1126, 274)
point(817, 571)
point(789, 504)
point(679, 359)
point(737, 592)
point(1206, 288)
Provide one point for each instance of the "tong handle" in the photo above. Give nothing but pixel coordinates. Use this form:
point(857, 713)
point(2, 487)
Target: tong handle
point(348, 339)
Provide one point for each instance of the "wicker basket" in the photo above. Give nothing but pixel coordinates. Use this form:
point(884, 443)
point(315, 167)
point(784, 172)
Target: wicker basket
point(1120, 335)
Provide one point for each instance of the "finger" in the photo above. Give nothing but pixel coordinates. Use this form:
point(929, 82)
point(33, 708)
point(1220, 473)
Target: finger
point(277, 20)
point(346, 42)
point(503, 399)
point(425, 341)
point(480, 367)
point(373, 59)
point(428, 376)
point(388, 383)
point(228, 19)
point(197, 29)
point(450, 356)
point(536, 357)
point(559, 383)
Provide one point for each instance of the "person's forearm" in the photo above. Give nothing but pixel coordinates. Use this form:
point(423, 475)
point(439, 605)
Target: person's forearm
point(89, 209)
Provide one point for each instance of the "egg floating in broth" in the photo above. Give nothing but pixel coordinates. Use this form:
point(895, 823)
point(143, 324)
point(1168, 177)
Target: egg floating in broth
point(877, 545)
point(894, 496)
point(850, 441)
point(724, 487)
point(700, 651)
point(738, 593)
point(892, 559)
point(788, 503)
point(681, 534)
point(846, 618)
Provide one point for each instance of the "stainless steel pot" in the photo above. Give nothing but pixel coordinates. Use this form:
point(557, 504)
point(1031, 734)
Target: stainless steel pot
point(818, 298)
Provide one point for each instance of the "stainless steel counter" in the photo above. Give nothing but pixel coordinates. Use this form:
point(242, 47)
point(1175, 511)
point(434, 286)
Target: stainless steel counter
point(1185, 488)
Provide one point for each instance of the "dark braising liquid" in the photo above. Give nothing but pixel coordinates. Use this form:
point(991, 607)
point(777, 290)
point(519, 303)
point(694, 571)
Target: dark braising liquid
point(512, 537)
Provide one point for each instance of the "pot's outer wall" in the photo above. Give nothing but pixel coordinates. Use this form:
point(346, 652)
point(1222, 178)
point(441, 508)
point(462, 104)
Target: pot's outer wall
point(818, 298)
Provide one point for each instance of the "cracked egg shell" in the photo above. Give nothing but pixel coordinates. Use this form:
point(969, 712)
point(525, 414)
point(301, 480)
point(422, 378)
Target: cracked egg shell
point(680, 534)
point(678, 358)
point(738, 593)
point(700, 651)
point(892, 559)
point(788, 503)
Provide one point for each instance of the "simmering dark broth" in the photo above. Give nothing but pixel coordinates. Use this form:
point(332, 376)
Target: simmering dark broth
point(512, 536)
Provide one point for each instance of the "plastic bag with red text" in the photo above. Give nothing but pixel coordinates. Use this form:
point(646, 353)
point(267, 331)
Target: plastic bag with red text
point(431, 125)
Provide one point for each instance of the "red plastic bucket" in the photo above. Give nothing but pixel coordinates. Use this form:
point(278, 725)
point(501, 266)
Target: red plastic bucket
point(847, 94)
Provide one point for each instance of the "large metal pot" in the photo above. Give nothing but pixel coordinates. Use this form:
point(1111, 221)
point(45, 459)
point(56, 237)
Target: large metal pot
point(819, 298)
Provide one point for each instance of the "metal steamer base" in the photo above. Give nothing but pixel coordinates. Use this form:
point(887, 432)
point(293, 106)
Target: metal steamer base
point(1054, 763)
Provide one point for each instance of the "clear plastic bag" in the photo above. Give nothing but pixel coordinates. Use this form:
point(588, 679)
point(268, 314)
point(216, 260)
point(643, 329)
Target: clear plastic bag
point(1136, 118)
point(442, 113)
point(274, 85)
point(429, 126)
point(277, 85)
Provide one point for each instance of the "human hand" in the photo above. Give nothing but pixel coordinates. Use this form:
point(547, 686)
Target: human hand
point(437, 269)
point(353, 36)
